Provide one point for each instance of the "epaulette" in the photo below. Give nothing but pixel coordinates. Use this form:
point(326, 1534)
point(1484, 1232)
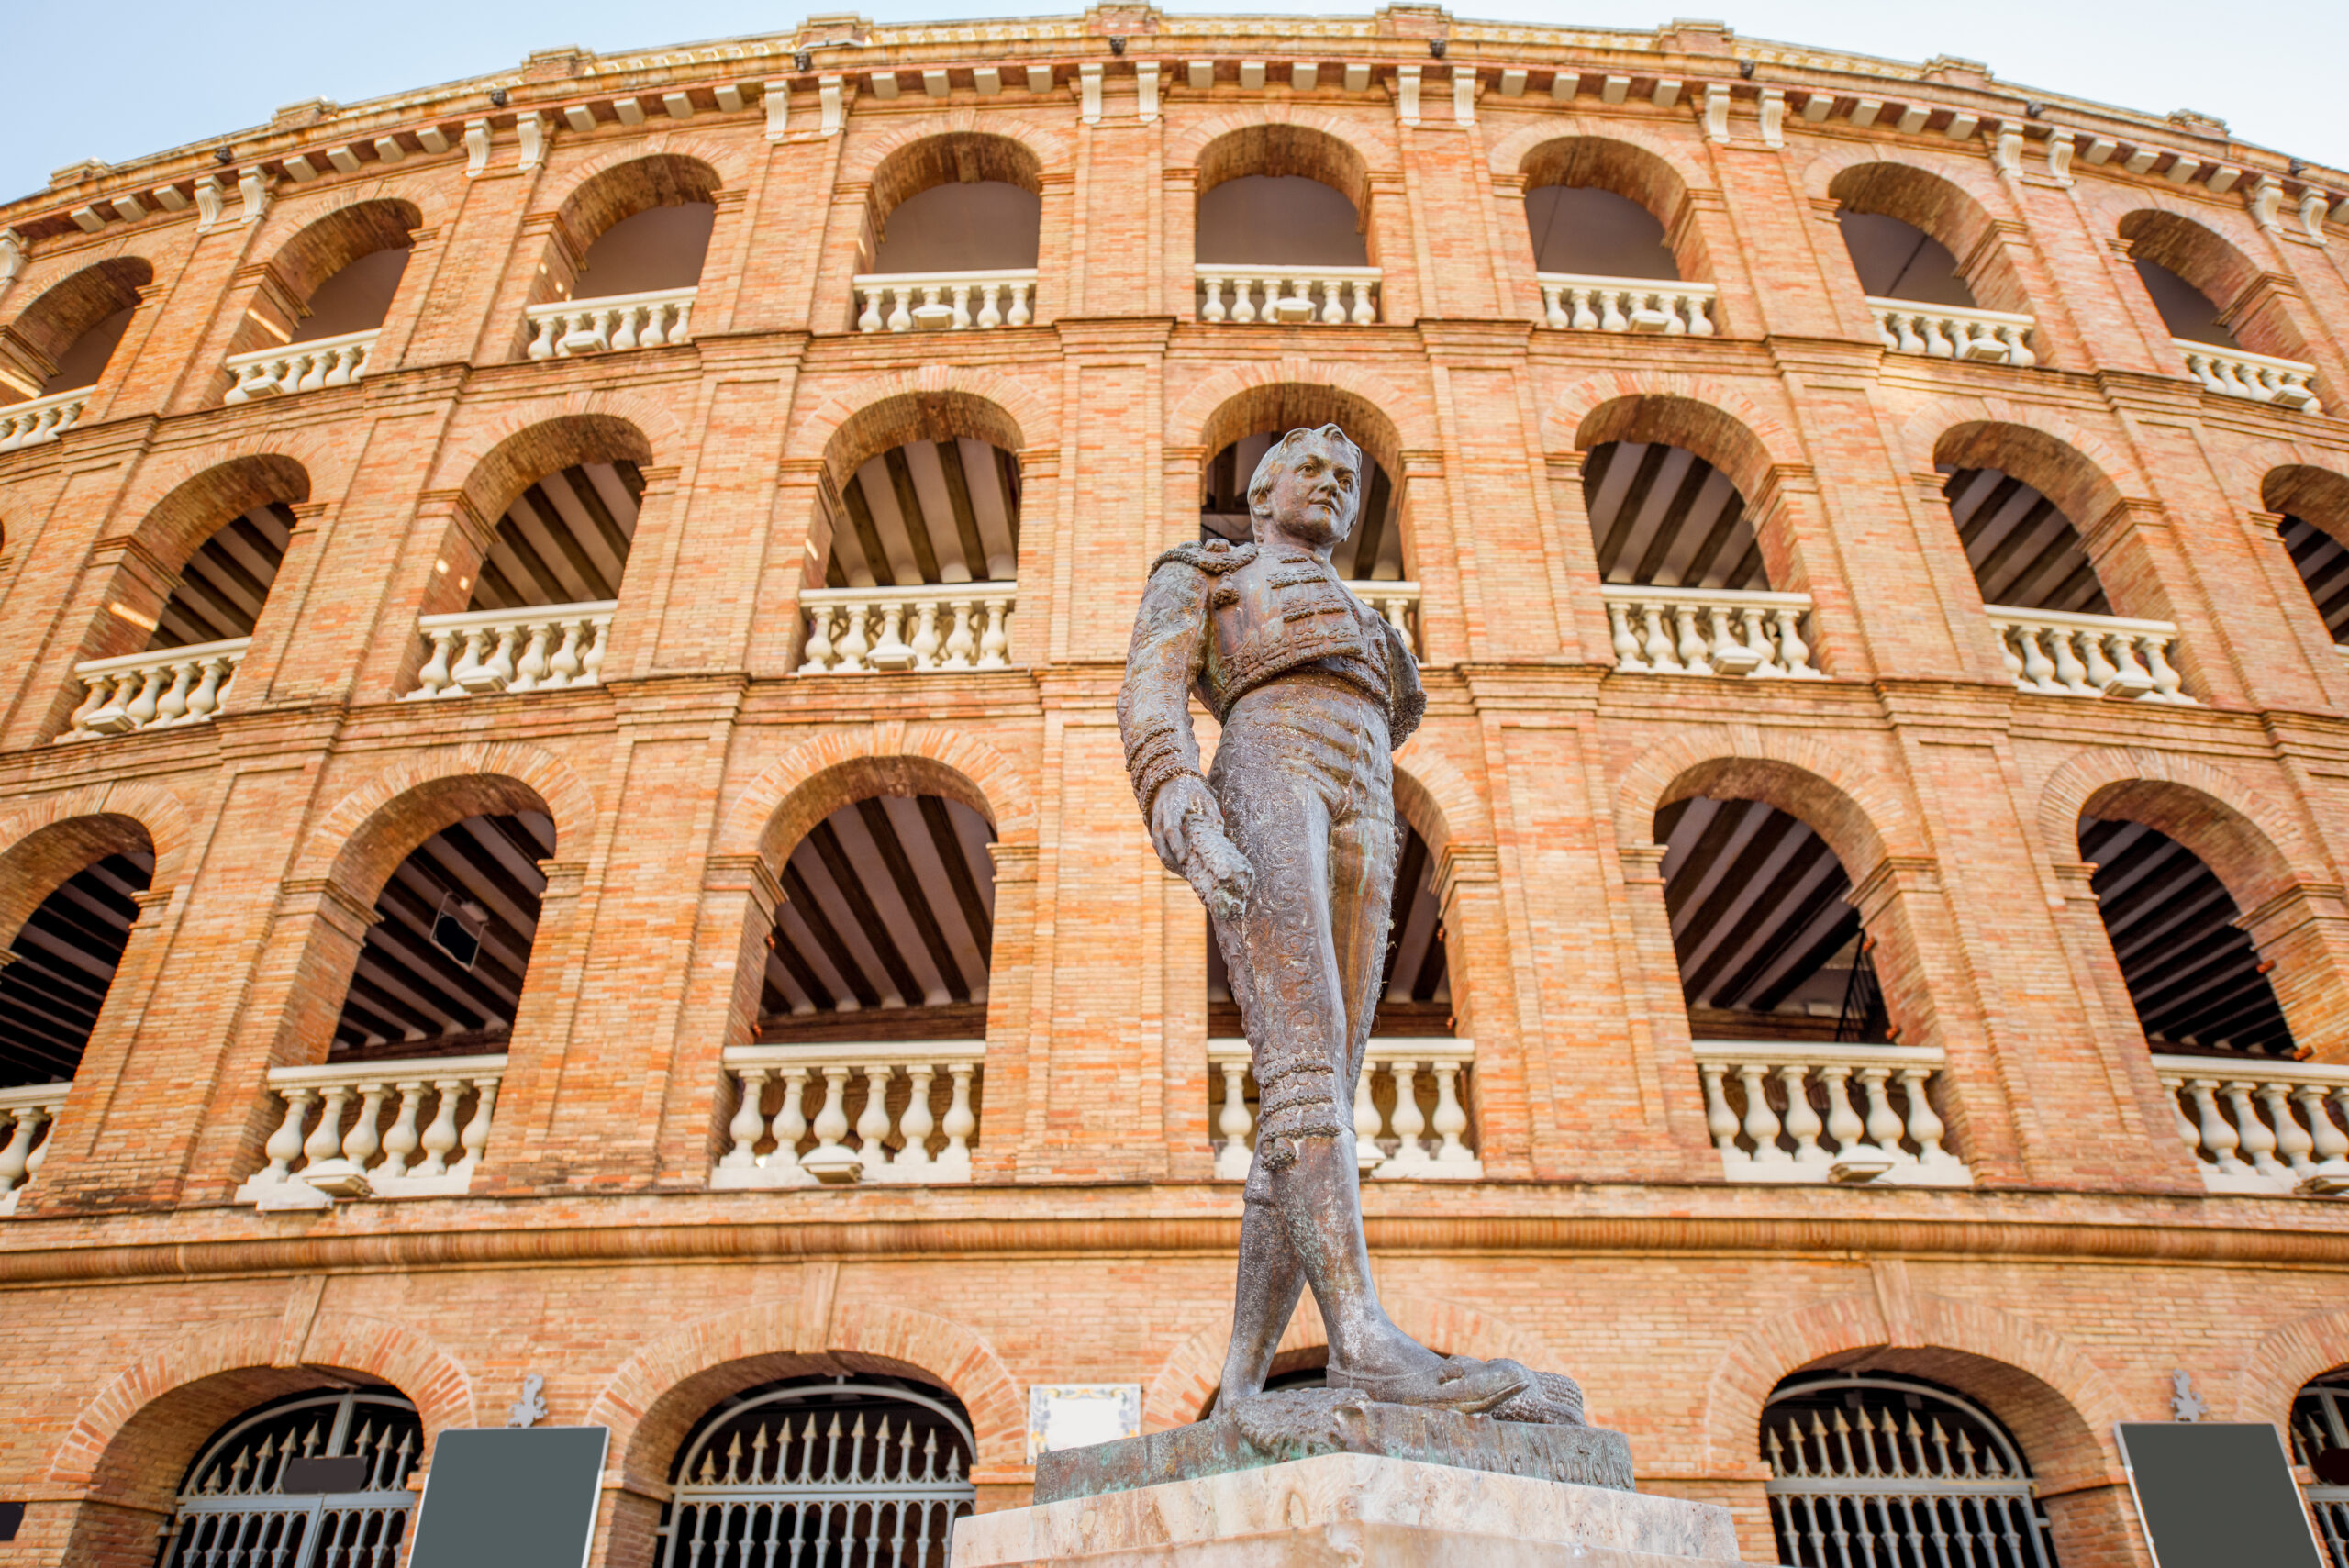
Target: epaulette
point(1215, 558)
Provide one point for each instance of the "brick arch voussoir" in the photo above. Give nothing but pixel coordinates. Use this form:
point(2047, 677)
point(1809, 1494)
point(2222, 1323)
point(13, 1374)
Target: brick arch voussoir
point(2286, 1359)
point(2291, 477)
point(1864, 817)
point(725, 162)
point(288, 216)
point(1053, 151)
point(476, 459)
point(170, 825)
point(1775, 444)
point(342, 835)
point(1195, 410)
point(1757, 1361)
point(817, 777)
point(410, 1360)
point(1508, 156)
point(1031, 411)
point(954, 1354)
point(2228, 222)
point(1370, 144)
point(1962, 172)
point(180, 497)
point(2252, 848)
point(2103, 472)
point(44, 274)
point(1436, 797)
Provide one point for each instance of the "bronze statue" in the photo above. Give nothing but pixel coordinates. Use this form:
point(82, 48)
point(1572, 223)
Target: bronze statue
point(1291, 843)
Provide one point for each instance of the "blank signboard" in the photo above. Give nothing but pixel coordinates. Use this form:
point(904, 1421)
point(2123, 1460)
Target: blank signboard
point(2217, 1495)
point(510, 1498)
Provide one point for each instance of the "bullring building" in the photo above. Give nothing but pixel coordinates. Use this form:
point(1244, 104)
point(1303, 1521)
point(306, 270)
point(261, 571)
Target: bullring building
point(564, 838)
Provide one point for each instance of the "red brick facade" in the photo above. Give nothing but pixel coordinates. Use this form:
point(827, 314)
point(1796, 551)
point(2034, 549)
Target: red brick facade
point(144, 1306)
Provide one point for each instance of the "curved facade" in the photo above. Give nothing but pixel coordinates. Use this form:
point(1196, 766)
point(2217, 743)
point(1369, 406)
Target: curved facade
point(561, 812)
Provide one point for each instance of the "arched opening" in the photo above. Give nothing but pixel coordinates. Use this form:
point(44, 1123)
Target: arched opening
point(1606, 220)
point(2198, 986)
point(1918, 240)
point(2319, 1433)
point(2313, 503)
point(624, 260)
point(858, 1470)
point(322, 297)
point(951, 232)
point(1897, 260)
point(2218, 308)
point(1596, 233)
point(2024, 552)
point(538, 601)
point(309, 1479)
point(918, 537)
point(61, 343)
point(1869, 1466)
point(1281, 229)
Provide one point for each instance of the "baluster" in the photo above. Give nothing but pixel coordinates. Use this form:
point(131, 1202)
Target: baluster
point(478, 1125)
point(287, 1140)
point(2258, 1137)
point(441, 1136)
point(656, 316)
point(2018, 343)
point(852, 646)
point(1693, 648)
point(325, 1139)
point(829, 1157)
point(500, 667)
point(1884, 1125)
point(1553, 315)
point(1018, 316)
point(433, 679)
point(954, 1159)
point(1884, 329)
point(816, 657)
point(141, 711)
point(1585, 320)
point(924, 643)
point(625, 317)
point(400, 1143)
point(1700, 322)
point(2292, 1140)
point(1611, 318)
point(2130, 677)
point(1333, 309)
point(2219, 1139)
point(790, 1123)
point(1925, 1126)
point(960, 646)
point(2006, 631)
point(1904, 324)
point(1760, 1122)
point(1409, 1122)
point(1659, 642)
point(680, 325)
point(917, 1124)
point(94, 689)
point(869, 319)
point(172, 705)
point(2330, 1145)
point(16, 1159)
point(2038, 670)
point(1759, 646)
point(347, 362)
point(1668, 306)
point(1235, 1124)
point(2100, 669)
point(1243, 298)
point(1365, 309)
point(563, 668)
point(1843, 1123)
point(362, 1144)
point(1369, 1126)
point(2070, 673)
point(873, 1121)
point(1937, 343)
point(542, 338)
point(1627, 647)
point(961, 308)
point(901, 316)
point(990, 318)
point(995, 641)
point(531, 674)
point(1719, 1120)
point(2155, 647)
point(1793, 652)
point(1802, 1119)
point(306, 371)
point(2188, 1133)
point(1298, 306)
point(891, 652)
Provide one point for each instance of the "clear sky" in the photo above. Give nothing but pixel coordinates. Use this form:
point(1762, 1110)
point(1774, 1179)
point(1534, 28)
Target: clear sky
point(143, 75)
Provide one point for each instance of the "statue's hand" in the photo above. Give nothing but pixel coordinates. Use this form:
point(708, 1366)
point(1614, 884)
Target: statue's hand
point(1188, 827)
point(1180, 801)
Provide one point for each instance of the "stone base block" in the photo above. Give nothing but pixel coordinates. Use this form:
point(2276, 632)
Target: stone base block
point(1352, 1510)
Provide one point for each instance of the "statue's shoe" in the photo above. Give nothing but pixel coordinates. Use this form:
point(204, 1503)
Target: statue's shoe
point(1553, 1400)
point(1471, 1387)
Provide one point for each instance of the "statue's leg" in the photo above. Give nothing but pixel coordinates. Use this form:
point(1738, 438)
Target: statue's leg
point(1265, 1296)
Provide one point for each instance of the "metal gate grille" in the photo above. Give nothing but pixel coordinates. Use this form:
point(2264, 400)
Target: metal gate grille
point(237, 1513)
point(836, 1474)
point(2320, 1425)
point(1886, 1472)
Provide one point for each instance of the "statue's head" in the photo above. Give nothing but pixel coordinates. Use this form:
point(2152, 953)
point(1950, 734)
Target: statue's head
point(1308, 487)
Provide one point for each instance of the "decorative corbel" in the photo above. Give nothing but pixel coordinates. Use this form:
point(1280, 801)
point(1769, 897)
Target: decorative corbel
point(12, 255)
point(776, 98)
point(827, 94)
point(1146, 84)
point(1088, 93)
point(1716, 97)
point(253, 193)
point(1463, 96)
point(476, 149)
point(2060, 148)
point(1774, 116)
point(2006, 152)
point(207, 203)
point(1407, 94)
point(2313, 204)
point(532, 129)
point(2265, 197)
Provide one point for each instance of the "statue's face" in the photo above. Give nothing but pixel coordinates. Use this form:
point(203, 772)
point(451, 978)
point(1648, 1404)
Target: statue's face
point(1313, 497)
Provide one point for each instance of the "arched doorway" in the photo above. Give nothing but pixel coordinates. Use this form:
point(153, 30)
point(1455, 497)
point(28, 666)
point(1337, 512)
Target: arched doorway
point(313, 1480)
point(861, 1472)
point(1895, 1472)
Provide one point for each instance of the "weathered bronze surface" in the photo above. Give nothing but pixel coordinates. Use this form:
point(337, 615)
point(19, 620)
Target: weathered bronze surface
point(1275, 1429)
point(1291, 843)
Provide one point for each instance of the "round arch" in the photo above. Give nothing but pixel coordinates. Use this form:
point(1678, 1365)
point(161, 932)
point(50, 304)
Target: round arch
point(1436, 798)
point(1936, 205)
point(1712, 433)
point(177, 524)
point(944, 155)
point(34, 342)
point(901, 417)
point(2194, 252)
point(870, 416)
point(1288, 405)
point(1861, 814)
point(1637, 173)
point(521, 456)
point(1305, 144)
point(40, 842)
point(2318, 496)
point(627, 184)
point(808, 783)
point(2247, 844)
point(325, 245)
point(2082, 488)
point(362, 838)
point(2287, 1358)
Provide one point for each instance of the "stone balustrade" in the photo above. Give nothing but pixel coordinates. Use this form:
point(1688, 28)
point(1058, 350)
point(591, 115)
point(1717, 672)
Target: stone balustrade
point(300, 367)
point(1287, 296)
point(1411, 1110)
point(42, 419)
point(2088, 656)
point(29, 1111)
point(2231, 373)
point(1768, 1104)
point(155, 690)
point(542, 648)
point(1947, 332)
point(933, 626)
point(2262, 1125)
point(1573, 302)
point(842, 1113)
point(1398, 603)
point(943, 302)
point(357, 1129)
point(650, 320)
point(1707, 631)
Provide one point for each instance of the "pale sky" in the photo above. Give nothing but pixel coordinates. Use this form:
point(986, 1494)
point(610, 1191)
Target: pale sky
point(140, 75)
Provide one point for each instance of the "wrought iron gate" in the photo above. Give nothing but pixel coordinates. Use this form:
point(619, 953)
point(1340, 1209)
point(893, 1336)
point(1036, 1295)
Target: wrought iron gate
point(236, 1511)
point(832, 1475)
point(2320, 1425)
point(1887, 1473)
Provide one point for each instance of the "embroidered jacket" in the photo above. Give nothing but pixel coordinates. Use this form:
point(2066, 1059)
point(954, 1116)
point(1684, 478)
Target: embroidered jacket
point(1222, 620)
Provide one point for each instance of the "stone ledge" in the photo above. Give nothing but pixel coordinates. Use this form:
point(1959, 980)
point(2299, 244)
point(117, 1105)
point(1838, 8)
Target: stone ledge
point(1353, 1509)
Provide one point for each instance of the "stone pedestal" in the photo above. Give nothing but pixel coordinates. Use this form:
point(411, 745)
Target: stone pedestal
point(1354, 1510)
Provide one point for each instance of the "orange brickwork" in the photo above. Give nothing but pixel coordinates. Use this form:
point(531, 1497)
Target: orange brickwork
point(145, 1304)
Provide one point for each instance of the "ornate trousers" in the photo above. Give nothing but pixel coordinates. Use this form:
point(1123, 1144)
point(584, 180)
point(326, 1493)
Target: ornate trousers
point(1306, 784)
